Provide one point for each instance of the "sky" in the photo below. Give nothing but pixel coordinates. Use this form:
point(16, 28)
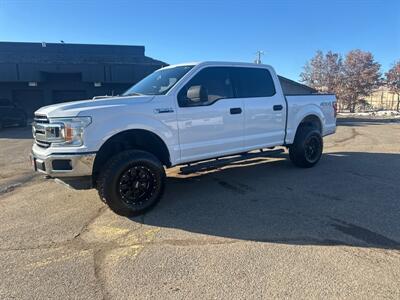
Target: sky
point(289, 32)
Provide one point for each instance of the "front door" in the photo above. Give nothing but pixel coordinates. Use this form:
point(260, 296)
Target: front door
point(210, 118)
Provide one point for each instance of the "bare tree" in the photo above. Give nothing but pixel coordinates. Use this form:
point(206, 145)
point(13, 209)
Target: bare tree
point(393, 81)
point(312, 74)
point(355, 77)
point(322, 72)
point(360, 77)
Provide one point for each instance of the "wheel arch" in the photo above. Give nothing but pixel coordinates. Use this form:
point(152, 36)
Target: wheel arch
point(140, 139)
point(311, 120)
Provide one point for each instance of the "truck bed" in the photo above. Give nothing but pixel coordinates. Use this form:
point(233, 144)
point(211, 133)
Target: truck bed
point(299, 106)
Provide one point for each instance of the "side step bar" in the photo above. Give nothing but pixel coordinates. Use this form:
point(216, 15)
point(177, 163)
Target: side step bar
point(226, 160)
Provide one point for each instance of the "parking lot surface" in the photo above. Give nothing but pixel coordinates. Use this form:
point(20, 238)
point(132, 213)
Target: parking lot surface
point(258, 228)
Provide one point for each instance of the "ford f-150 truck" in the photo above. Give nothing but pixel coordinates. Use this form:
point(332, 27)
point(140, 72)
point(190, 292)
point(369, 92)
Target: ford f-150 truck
point(177, 115)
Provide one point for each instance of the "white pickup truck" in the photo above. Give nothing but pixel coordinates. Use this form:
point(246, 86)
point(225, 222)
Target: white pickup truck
point(178, 115)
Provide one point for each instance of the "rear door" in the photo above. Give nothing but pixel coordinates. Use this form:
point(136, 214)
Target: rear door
point(264, 106)
point(212, 125)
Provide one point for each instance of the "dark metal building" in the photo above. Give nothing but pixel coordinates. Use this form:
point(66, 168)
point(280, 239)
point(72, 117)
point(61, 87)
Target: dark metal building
point(37, 74)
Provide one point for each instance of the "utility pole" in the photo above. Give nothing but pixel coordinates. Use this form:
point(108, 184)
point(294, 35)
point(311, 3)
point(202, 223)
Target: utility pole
point(258, 57)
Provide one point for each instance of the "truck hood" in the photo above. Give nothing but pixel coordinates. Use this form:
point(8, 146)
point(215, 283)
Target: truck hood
point(83, 108)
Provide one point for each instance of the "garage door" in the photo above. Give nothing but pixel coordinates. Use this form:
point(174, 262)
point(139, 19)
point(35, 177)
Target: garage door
point(29, 100)
point(63, 96)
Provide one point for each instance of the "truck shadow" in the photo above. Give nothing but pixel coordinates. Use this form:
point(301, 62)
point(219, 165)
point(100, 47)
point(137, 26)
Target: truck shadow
point(350, 198)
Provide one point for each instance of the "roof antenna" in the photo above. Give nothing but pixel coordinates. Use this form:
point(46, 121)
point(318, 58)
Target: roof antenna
point(258, 57)
point(62, 42)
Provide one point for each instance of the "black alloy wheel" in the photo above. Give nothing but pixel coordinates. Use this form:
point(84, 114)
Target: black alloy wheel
point(312, 148)
point(307, 147)
point(136, 185)
point(131, 182)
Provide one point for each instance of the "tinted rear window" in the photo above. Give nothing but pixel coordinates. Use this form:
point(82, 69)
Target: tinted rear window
point(253, 82)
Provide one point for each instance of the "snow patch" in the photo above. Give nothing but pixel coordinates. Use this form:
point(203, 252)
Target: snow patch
point(392, 114)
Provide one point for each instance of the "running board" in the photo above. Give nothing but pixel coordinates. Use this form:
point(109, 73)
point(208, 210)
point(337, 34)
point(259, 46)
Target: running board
point(226, 160)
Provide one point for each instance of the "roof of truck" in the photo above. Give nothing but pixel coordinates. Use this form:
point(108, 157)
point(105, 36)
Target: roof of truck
point(222, 63)
point(226, 63)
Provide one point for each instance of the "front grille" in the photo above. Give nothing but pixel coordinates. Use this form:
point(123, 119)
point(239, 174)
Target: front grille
point(41, 119)
point(39, 132)
point(42, 144)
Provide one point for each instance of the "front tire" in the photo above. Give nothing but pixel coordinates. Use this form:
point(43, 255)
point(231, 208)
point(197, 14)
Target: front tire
point(131, 182)
point(307, 148)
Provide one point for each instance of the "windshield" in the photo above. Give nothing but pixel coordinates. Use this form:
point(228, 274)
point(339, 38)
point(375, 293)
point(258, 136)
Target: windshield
point(159, 82)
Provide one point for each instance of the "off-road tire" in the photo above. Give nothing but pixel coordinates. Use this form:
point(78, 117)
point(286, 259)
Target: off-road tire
point(111, 179)
point(299, 151)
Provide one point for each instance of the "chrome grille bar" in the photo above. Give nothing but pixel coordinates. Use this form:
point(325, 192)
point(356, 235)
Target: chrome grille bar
point(41, 119)
point(39, 130)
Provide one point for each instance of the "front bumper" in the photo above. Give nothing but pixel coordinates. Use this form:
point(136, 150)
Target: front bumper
point(64, 165)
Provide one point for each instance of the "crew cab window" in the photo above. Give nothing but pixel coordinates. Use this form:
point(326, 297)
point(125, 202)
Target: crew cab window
point(253, 82)
point(206, 87)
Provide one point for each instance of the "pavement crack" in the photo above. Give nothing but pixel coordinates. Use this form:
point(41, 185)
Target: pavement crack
point(98, 261)
point(14, 184)
point(39, 247)
point(85, 227)
point(9, 188)
point(194, 242)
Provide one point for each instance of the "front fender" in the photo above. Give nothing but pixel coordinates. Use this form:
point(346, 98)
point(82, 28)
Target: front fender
point(103, 129)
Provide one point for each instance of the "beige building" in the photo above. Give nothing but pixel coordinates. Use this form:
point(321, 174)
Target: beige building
point(382, 99)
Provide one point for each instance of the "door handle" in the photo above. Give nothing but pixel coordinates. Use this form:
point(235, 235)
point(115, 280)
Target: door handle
point(236, 111)
point(278, 107)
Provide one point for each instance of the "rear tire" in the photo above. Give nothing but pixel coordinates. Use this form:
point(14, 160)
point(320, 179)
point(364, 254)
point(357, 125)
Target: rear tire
point(131, 182)
point(307, 148)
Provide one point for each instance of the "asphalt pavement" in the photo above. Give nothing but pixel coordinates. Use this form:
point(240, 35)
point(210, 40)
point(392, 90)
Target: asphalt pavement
point(257, 228)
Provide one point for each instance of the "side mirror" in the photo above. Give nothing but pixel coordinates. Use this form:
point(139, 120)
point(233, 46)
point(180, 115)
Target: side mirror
point(196, 94)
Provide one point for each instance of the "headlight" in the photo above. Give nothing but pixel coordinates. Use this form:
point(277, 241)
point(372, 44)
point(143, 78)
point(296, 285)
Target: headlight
point(68, 131)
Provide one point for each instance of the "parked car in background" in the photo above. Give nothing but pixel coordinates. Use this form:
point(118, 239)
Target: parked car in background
point(178, 115)
point(11, 115)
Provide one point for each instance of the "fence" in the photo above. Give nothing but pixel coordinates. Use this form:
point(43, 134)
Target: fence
point(381, 99)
